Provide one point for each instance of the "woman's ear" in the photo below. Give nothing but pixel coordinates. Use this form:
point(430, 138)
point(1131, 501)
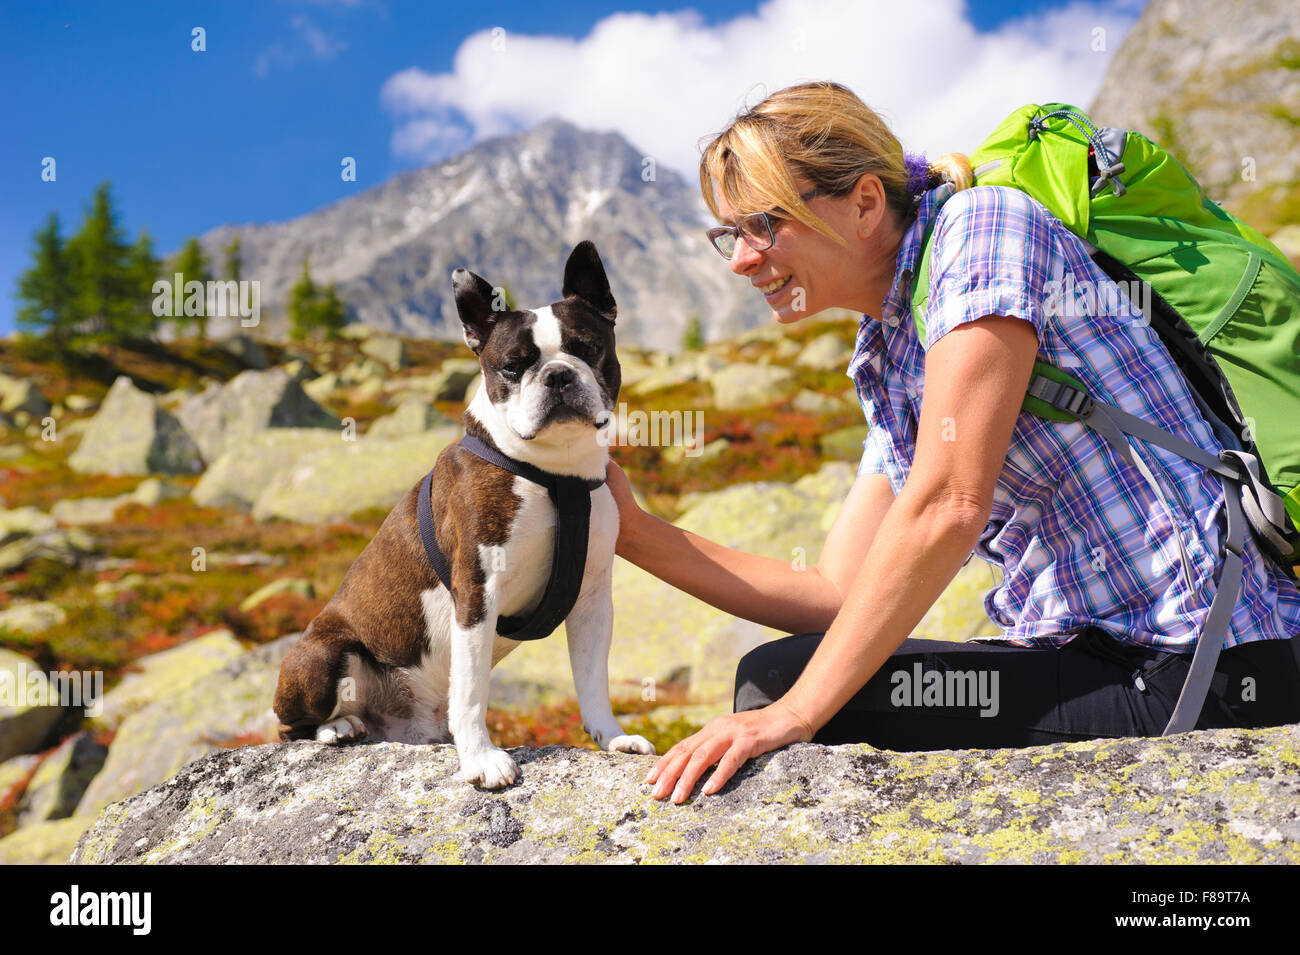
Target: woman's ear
point(869, 203)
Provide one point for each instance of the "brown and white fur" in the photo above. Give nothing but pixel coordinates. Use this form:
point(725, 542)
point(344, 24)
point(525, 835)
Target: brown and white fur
point(392, 656)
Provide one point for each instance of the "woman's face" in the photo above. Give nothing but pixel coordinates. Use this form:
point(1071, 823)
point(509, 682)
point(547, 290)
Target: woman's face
point(804, 272)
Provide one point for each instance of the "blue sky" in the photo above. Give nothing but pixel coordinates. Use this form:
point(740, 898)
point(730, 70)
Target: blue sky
point(253, 128)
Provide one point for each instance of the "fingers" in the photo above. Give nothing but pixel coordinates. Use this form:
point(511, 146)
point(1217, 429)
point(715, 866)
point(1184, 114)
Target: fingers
point(724, 742)
point(731, 761)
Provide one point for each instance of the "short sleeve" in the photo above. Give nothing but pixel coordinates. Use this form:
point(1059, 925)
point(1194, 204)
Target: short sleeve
point(873, 456)
point(992, 253)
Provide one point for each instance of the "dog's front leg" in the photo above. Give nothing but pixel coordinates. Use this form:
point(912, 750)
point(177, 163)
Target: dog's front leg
point(590, 628)
point(471, 669)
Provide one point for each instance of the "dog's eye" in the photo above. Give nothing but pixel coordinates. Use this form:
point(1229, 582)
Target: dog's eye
point(583, 351)
point(515, 369)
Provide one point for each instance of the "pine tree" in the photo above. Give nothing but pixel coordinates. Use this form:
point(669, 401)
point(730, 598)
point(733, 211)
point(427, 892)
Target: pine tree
point(145, 268)
point(693, 335)
point(104, 297)
point(333, 313)
point(45, 290)
point(304, 302)
point(234, 260)
point(192, 264)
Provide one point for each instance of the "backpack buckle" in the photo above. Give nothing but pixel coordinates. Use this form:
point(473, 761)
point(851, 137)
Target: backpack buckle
point(1062, 397)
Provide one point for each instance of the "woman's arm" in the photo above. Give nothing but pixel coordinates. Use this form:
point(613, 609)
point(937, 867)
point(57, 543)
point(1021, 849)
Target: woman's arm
point(976, 377)
point(770, 592)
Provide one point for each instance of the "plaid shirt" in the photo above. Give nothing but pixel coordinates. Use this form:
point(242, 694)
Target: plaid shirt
point(1078, 534)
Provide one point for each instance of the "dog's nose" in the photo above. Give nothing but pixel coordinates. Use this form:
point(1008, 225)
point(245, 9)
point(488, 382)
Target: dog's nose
point(558, 377)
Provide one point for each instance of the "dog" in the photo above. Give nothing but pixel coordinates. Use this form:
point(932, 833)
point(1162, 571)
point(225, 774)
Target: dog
point(400, 654)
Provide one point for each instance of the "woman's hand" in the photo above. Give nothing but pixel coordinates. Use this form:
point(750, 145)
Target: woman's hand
point(727, 741)
point(629, 512)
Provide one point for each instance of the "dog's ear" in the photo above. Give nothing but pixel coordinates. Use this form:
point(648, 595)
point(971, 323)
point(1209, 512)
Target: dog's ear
point(584, 278)
point(479, 306)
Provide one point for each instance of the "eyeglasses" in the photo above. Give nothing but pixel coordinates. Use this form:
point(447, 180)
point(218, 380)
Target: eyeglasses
point(755, 228)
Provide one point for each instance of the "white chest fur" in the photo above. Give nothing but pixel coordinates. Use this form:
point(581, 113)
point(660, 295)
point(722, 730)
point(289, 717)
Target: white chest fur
point(520, 568)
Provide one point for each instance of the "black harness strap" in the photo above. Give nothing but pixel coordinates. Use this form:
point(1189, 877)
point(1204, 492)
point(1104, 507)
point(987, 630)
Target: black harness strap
point(572, 499)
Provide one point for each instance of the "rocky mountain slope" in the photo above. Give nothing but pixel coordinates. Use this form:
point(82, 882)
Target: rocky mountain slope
point(509, 209)
point(1218, 84)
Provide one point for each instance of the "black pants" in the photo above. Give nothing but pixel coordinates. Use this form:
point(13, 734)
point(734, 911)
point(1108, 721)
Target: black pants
point(932, 694)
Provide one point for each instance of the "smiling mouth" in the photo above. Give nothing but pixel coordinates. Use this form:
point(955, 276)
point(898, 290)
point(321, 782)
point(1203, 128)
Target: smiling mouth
point(773, 288)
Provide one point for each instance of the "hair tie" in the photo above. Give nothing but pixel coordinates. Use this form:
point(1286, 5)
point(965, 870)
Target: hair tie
point(918, 172)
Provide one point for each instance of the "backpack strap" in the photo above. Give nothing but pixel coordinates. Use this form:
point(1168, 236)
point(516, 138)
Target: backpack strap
point(572, 499)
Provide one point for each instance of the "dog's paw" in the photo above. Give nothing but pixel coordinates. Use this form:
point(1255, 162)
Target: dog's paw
point(631, 744)
point(341, 730)
point(491, 769)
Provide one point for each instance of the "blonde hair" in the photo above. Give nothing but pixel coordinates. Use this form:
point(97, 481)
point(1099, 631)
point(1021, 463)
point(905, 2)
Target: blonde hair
point(819, 131)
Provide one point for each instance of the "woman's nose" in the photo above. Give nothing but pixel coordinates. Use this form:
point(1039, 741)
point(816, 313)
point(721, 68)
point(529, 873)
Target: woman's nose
point(744, 258)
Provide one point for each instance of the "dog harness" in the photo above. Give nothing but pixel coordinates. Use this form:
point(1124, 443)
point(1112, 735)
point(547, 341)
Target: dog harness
point(572, 499)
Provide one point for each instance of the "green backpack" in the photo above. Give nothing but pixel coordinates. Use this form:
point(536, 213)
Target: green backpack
point(1224, 301)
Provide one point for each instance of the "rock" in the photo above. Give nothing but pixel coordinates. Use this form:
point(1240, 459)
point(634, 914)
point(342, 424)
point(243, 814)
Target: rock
point(362, 370)
point(813, 403)
point(59, 784)
point(844, 444)
point(1287, 239)
point(20, 395)
point(386, 349)
point(300, 370)
point(357, 331)
point(662, 378)
point(87, 510)
point(79, 402)
point(106, 590)
point(1215, 85)
point(102, 510)
point(23, 522)
point(782, 350)
point(370, 388)
point(32, 616)
point(826, 352)
point(26, 714)
point(153, 491)
point(246, 350)
point(319, 388)
point(236, 478)
point(14, 772)
point(742, 385)
point(65, 546)
point(227, 418)
point(225, 707)
point(167, 676)
point(285, 585)
point(132, 434)
point(333, 483)
point(45, 843)
point(452, 380)
point(1215, 796)
point(414, 415)
point(676, 453)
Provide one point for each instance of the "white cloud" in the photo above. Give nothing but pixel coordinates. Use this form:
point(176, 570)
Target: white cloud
point(309, 41)
point(667, 80)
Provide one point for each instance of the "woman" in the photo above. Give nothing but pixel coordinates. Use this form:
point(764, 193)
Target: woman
point(819, 209)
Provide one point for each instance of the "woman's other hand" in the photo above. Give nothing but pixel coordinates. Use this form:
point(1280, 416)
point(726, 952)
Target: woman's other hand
point(727, 741)
point(629, 512)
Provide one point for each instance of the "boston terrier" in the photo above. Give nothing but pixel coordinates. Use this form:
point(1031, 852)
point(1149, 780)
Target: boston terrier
point(401, 654)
